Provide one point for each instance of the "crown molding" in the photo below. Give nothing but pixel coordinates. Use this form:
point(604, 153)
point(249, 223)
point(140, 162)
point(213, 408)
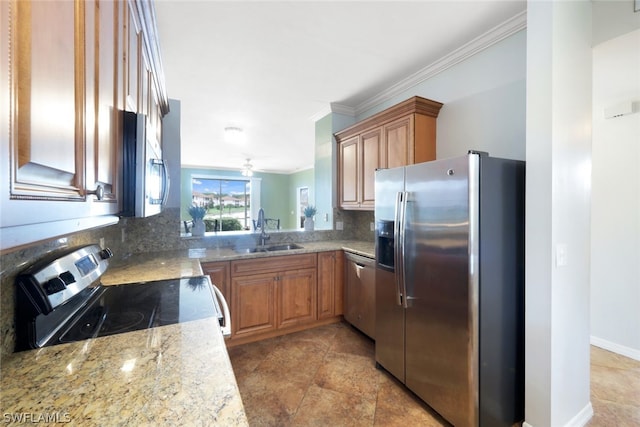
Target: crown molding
point(507, 28)
point(343, 109)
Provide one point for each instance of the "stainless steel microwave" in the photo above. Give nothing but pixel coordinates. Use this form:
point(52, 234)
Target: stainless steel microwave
point(145, 179)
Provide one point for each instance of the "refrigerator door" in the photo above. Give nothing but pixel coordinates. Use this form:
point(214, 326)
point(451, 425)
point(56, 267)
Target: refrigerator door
point(440, 338)
point(389, 312)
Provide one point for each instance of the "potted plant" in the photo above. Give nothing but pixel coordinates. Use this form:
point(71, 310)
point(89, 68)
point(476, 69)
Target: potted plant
point(309, 212)
point(197, 214)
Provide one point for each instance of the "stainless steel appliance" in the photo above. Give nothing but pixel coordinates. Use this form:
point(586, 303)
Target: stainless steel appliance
point(144, 173)
point(60, 299)
point(450, 285)
point(360, 293)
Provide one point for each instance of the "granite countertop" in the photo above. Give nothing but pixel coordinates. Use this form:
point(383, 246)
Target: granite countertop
point(170, 375)
point(171, 264)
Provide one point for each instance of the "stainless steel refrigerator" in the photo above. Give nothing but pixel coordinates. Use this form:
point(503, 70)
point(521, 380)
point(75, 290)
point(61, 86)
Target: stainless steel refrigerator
point(450, 285)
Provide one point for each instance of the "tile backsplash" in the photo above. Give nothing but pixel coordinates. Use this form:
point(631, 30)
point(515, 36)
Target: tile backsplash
point(157, 233)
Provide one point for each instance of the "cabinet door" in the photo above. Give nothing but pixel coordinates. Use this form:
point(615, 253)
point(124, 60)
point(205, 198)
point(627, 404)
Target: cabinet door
point(47, 78)
point(253, 305)
point(348, 172)
point(330, 284)
point(398, 143)
point(220, 275)
point(102, 98)
point(132, 49)
point(297, 300)
point(370, 161)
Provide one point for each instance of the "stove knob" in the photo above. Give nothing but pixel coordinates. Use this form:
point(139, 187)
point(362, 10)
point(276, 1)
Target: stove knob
point(54, 285)
point(105, 253)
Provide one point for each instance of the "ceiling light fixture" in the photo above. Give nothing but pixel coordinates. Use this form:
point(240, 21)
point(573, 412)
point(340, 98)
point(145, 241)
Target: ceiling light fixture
point(233, 135)
point(247, 169)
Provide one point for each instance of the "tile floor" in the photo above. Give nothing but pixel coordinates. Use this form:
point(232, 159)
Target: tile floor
point(615, 389)
point(327, 377)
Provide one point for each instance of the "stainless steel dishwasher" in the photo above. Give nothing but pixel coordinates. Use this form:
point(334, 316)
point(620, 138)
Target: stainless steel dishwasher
point(360, 297)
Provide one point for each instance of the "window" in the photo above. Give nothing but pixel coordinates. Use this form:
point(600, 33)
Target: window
point(227, 200)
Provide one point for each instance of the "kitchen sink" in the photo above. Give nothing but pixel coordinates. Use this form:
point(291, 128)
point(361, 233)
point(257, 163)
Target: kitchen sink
point(286, 247)
point(274, 248)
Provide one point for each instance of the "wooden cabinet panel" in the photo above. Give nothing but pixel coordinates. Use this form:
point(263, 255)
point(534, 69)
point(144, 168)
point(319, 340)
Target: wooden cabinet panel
point(253, 305)
point(398, 148)
point(102, 131)
point(297, 301)
point(273, 264)
point(69, 68)
point(398, 136)
point(330, 284)
point(271, 296)
point(47, 82)
point(370, 162)
point(349, 172)
point(220, 275)
point(132, 53)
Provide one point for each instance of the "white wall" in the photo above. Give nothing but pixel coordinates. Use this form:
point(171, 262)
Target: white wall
point(615, 223)
point(484, 101)
point(558, 155)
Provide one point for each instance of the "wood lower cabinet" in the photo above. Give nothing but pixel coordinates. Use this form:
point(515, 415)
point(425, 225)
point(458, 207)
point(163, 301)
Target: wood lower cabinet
point(330, 284)
point(273, 296)
point(220, 275)
point(253, 305)
point(296, 297)
point(401, 135)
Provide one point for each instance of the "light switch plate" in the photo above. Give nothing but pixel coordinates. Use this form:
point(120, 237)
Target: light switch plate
point(561, 255)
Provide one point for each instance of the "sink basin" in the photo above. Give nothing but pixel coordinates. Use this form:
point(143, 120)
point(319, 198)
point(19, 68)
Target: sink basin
point(285, 247)
point(250, 250)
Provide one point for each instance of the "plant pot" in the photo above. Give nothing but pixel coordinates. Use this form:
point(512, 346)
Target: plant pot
point(198, 228)
point(308, 224)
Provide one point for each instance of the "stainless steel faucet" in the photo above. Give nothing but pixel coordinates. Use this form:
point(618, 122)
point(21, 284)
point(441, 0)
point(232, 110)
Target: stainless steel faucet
point(261, 223)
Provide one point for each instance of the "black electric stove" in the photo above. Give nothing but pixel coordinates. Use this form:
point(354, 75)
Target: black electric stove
point(60, 300)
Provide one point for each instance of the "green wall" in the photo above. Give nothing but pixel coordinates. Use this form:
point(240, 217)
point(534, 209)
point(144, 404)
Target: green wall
point(303, 178)
point(277, 195)
point(323, 173)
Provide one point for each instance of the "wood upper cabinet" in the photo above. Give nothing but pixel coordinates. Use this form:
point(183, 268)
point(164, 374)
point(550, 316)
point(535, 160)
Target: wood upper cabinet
point(401, 135)
point(360, 156)
point(103, 130)
point(371, 160)
point(43, 59)
point(68, 69)
point(349, 172)
point(330, 284)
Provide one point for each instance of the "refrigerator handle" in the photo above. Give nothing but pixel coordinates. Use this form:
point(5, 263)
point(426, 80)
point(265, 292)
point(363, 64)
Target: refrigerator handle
point(403, 228)
point(397, 252)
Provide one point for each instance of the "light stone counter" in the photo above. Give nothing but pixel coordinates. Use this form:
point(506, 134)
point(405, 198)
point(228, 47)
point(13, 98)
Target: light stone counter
point(171, 375)
point(172, 264)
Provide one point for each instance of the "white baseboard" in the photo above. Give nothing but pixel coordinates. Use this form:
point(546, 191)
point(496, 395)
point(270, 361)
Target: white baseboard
point(579, 420)
point(616, 348)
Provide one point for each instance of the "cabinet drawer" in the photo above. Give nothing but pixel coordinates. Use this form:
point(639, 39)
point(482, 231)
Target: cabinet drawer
point(271, 264)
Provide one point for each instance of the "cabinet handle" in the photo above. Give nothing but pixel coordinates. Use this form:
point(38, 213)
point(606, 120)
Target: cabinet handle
point(99, 192)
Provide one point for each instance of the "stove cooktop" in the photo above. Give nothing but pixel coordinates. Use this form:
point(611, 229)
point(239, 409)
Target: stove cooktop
point(130, 307)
